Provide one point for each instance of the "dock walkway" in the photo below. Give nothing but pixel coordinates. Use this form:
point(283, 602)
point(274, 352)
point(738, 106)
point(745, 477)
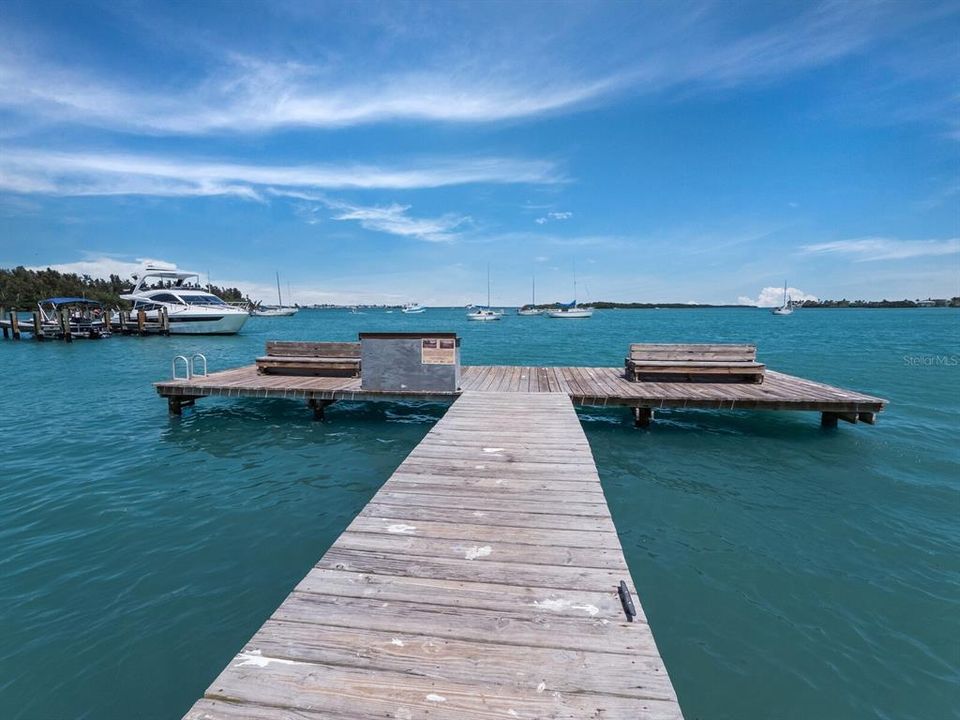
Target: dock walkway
point(479, 582)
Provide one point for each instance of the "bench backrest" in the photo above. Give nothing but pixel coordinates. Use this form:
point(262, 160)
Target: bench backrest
point(698, 352)
point(314, 349)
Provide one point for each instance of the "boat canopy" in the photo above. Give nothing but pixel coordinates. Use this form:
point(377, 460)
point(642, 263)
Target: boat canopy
point(571, 304)
point(57, 301)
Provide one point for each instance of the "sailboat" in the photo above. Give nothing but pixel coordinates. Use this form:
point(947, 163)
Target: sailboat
point(531, 309)
point(571, 310)
point(484, 314)
point(277, 310)
point(787, 307)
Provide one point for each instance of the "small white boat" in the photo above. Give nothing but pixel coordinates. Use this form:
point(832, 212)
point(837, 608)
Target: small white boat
point(413, 308)
point(278, 310)
point(485, 314)
point(570, 311)
point(190, 309)
point(530, 309)
point(273, 311)
point(787, 307)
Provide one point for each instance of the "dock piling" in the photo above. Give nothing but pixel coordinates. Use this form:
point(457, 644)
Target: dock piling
point(319, 407)
point(642, 417)
point(14, 325)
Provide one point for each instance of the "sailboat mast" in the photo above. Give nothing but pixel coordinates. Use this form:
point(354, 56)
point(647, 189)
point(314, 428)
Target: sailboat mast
point(279, 298)
point(488, 285)
point(533, 294)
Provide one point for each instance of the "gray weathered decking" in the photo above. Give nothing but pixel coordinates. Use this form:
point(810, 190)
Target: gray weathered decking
point(584, 386)
point(479, 582)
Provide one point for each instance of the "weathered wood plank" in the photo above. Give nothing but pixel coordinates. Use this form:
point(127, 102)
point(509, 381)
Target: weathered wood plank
point(480, 582)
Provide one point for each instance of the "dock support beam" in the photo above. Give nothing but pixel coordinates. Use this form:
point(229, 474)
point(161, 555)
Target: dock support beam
point(642, 417)
point(176, 404)
point(318, 407)
point(829, 419)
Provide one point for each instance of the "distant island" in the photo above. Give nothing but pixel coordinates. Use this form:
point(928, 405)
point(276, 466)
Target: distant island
point(23, 288)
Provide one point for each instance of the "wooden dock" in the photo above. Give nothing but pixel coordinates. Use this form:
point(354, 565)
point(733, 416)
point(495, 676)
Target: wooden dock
point(601, 386)
point(481, 581)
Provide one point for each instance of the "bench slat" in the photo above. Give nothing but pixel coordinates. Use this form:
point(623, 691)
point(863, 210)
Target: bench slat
point(313, 349)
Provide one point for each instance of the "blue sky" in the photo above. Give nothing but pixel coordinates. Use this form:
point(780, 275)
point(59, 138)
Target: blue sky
point(387, 152)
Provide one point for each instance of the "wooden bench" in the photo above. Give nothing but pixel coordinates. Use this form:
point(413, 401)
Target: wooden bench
point(333, 359)
point(694, 363)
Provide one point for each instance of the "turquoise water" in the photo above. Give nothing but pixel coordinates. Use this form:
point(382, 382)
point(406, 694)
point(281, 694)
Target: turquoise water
point(788, 571)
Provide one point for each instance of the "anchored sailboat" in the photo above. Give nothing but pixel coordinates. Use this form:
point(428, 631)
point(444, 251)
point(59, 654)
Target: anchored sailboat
point(277, 310)
point(571, 310)
point(787, 307)
point(531, 309)
point(485, 314)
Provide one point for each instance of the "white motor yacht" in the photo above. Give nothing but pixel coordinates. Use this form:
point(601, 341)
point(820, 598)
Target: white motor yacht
point(190, 309)
point(413, 308)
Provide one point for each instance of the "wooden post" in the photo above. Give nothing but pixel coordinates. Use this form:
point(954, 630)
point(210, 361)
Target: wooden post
point(164, 318)
point(65, 325)
point(37, 325)
point(319, 406)
point(642, 417)
point(14, 325)
point(6, 333)
point(124, 316)
point(142, 322)
point(868, 417)
point(829, 419)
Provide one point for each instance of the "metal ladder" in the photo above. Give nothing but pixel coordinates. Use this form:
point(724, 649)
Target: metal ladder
point(189, 366)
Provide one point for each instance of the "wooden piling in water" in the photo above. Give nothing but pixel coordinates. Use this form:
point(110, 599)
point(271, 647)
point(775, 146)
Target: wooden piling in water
point(37, 326)
point(14, 325)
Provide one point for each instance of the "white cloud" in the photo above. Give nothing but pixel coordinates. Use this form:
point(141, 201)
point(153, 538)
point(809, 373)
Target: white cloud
point(393, 219)
point(59, 173)
point(504, 72)
point(553, 216)
point(880, 248)
point(773, 297)
point(104, 266)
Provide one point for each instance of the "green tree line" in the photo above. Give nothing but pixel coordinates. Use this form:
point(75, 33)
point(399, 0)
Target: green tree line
point(22, 288)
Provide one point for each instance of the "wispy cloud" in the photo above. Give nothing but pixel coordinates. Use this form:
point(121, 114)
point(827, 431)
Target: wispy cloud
point(880, 248)
point(553, 216)
point(54, 173)
point(394, 220)
point(504, 74)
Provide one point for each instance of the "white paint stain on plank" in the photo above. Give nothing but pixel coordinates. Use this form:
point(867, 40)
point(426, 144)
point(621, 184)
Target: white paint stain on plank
point(493, 450)
point(472, 553)
point(256, 658)
point(559, 604)
point(436, 698)
point(401, 529)
point(397, 641)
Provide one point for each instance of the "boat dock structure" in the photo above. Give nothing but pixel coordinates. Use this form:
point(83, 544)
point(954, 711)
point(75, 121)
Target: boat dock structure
point(603, 386)
point(485, 579)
